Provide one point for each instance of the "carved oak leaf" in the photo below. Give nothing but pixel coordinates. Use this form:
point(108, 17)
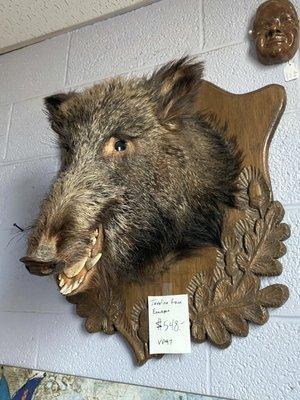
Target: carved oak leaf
point(199, 297)
point(218, 312)
point(137, 332)
point(139, 321)
point(87, 307)
point(262, 245)
point(227, 258)
point(100, 311)
point(273, 295)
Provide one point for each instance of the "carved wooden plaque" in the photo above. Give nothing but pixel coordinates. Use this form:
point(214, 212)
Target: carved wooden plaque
point(224, 284)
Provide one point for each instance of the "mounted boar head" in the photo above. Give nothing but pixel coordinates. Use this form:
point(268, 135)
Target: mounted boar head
point(143, 177)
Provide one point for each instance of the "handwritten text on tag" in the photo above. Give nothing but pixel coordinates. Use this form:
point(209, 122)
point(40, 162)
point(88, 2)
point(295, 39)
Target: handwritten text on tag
point(169, 326)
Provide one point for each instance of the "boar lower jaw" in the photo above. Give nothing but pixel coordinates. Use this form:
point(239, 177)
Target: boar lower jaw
point(72, 277)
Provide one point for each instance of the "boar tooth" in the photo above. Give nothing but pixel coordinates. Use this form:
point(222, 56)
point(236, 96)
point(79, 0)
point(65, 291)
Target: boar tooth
point(66, 289)
point(61, 282)
point(75, 269)
point(94, 241)
point(75, 285)
point(81, 279)
point(92, 261)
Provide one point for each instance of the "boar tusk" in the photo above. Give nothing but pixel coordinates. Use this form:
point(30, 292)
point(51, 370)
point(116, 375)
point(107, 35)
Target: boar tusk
point(75, 269)
point(92, 261)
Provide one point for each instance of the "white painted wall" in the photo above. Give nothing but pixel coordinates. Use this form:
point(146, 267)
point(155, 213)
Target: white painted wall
point(38, 327)
point(29, 21)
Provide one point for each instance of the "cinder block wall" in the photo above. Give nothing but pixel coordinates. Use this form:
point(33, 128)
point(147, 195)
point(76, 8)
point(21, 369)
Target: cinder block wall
point(38, 327)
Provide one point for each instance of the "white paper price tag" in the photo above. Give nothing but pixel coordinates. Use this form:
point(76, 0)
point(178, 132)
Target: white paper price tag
point(169, 326)
point(291, 71)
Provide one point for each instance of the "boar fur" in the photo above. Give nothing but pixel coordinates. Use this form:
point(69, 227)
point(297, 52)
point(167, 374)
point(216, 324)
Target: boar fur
point(139, 160)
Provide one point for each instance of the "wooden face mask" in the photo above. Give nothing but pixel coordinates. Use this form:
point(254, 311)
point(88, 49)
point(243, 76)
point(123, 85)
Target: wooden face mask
point(276, 31)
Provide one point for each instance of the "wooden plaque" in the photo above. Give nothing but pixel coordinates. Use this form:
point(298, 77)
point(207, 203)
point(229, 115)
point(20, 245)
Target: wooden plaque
point(223, 284)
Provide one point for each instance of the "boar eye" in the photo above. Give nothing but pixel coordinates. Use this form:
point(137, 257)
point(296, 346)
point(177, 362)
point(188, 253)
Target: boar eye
point(120, 145)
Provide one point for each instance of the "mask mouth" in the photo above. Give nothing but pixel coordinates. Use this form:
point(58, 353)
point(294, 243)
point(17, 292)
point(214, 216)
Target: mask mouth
point(277, 39)
point(71, 278)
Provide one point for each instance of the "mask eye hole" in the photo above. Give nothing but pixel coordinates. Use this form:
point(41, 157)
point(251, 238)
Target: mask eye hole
point(120, 145)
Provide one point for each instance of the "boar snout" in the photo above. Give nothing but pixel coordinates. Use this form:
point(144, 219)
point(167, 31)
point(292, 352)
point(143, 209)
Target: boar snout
point(45, 258)
point(42, 268)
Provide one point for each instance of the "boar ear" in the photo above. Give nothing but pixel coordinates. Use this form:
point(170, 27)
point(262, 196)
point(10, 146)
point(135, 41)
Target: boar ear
point(53, 107)
point(177, 86)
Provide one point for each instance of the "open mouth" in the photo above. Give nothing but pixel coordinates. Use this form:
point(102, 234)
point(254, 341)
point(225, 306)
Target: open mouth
point(72, 277)
point(278, 39)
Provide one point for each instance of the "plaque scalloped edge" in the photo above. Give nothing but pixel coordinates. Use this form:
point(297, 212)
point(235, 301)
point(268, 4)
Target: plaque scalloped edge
point(222, 304)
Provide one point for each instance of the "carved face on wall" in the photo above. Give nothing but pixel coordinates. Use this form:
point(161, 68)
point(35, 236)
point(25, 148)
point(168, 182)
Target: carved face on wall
point(276, 31)
point(143, 179)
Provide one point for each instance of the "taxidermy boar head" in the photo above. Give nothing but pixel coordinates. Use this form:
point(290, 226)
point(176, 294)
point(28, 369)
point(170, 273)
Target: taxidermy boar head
point(143, 177)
